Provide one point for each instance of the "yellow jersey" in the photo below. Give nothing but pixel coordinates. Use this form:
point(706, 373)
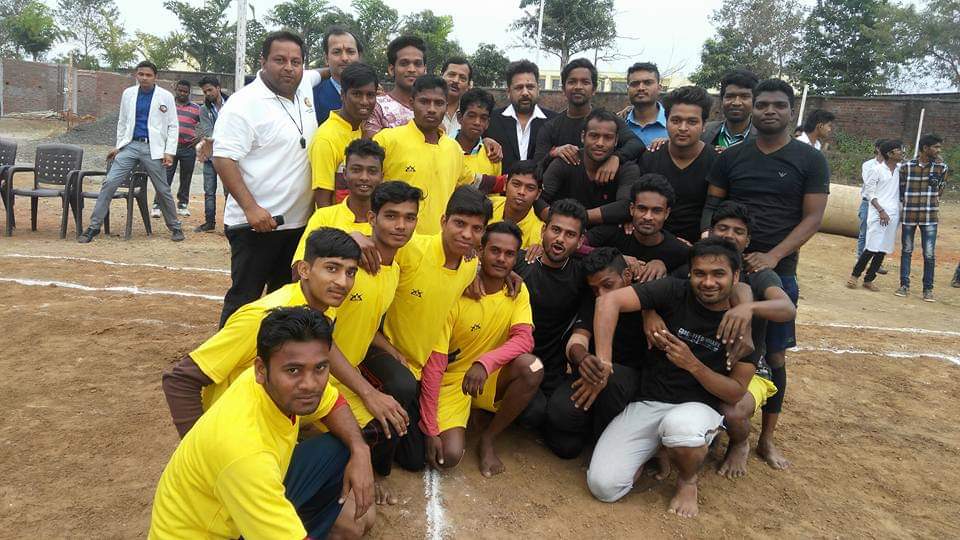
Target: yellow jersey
point(327, 150)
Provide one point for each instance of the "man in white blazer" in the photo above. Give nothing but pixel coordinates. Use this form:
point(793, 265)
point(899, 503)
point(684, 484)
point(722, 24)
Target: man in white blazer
point(147, 133)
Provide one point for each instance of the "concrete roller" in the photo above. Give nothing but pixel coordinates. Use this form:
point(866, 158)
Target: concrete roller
point(841, 214)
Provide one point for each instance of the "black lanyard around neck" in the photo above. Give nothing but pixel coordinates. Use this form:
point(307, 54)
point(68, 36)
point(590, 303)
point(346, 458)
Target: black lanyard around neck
point(303, 142)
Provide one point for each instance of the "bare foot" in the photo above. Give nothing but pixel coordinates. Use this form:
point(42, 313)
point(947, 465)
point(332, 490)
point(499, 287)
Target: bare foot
point(769, 452)
point(684, 503)
point(490, 464)
point(382, 493)
point(735, 462)
point(663, 462)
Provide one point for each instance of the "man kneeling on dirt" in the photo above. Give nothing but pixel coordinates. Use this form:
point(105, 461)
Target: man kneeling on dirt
point(240, 470)
point(482, 360)
point(684, 382)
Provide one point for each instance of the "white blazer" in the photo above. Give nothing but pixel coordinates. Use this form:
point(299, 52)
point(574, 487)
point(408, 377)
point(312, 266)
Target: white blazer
point(162, 124)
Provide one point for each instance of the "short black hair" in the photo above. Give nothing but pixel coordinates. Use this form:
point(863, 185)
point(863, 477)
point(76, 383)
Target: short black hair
point(477, 96)
point(459, 61)
point(644, 66)
point(429, 82)
point(209, 79)
point(394, 192)
point(774, 85)
point(689, 95)
point(744, 78)
point(403, 42)
point(503, 227)
point(526, 166)
point(330, 242)
point(468, 201)
point(570, 208)
point(184, 82)
point(293, 323)
point(817, 117)
point(365, 148)
point(518, 67)
point(603, 258)
point(877, 143)
point(889, 146)
point(578, 63)
point(656, 183)
point(929, 140)
point(147, 64)
point(733, 210)
point(356, 75)
point(280, 35)
point(600, 115)
point(715, 247)
point(339, 31)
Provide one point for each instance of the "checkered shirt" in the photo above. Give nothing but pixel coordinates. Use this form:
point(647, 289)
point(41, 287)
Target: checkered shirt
point(921, 185)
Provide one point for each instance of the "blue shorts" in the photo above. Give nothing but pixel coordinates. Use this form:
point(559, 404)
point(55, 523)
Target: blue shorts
point(783, 336)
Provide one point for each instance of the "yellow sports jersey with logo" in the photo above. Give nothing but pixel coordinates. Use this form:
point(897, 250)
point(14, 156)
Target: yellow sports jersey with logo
point(479, 163)
point(338, 216)
point(530, 225)
point(228, 353)
point(437, 169)
point(327, 150)
point(426, 293)
point(225, 479)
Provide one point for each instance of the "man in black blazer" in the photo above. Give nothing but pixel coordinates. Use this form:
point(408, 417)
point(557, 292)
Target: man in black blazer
point(515, 126)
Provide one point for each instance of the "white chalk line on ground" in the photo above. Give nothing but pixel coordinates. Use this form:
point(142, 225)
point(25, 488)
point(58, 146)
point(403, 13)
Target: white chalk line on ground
point(118, 263)
point(906, 330)
point(130, 290)
point(889, 354)
point(437, 526)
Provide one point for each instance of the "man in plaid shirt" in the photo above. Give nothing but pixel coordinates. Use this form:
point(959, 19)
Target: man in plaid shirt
point(921, 185)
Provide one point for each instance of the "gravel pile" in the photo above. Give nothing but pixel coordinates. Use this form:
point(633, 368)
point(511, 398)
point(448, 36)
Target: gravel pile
point(103, 131)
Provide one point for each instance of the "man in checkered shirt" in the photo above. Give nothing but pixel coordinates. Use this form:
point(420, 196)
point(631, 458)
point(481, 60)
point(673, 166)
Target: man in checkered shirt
point(921, 185)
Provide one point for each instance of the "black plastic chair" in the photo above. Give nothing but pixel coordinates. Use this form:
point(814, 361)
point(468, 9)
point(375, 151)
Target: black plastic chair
point(54, 169)
point(8, 158)
point(133, 189)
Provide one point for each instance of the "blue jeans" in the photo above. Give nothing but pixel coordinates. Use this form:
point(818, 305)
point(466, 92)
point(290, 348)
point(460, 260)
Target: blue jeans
point(127, 158)
point(314, 480)
point(209, 192)
point(862, 238)
point(928, 239)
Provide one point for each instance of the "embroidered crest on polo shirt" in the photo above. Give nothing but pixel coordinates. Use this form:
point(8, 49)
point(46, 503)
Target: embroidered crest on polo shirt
point(163, 108)
point(306, 101)
point(411, 168)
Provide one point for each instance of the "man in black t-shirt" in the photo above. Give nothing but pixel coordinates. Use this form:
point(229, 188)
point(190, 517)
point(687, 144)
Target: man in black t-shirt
point(651, 201)
point(684, 380)
point(787, 182)
point(584, 403)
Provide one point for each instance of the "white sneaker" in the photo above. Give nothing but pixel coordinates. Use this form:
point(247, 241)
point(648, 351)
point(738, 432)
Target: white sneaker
point(182, 210)
point(155, 213)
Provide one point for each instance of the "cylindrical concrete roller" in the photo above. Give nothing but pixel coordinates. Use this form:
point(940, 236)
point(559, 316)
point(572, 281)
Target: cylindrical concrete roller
point(841, 214)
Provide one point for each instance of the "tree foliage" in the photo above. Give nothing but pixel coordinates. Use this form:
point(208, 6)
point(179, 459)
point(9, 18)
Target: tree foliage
point(938, 44)
point(32, 30)
point(569, 26)
point(119, 51)
point(210, 39)
point(162, 51)
point(375, 23)
point(81, 20)
point(489, 64)
point(305, 17)
point(435, 30)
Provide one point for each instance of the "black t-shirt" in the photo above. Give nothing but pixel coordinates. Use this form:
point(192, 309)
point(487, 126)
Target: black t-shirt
point(561, 130)
point(629, 341)
point(690, 184)
point(692, 323)
point(561, 181)
point(556, 295)
point(671, 251)
point(772, 187)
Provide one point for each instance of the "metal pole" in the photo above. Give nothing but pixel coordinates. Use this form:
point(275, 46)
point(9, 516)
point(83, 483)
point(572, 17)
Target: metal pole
point(803, 105)
point(916, 147)
point(540, 32)
point(241, 56)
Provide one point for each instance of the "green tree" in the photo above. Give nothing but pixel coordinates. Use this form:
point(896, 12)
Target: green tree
point(119, 51)
point(489, 64)
point(33, 29)
point(851, 47)
point(162, 51)
point(569, 26)
point(435, 31)
point(760, 35)
point(938, 44)
point(8, 10)
point(210, 39)
point(79, 60)
point(305, 17)
point(375, 23)
point(81, 20)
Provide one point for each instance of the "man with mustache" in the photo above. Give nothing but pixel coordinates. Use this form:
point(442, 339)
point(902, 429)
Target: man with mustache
point(340, 49)
point(736, 103)
point(359, 85)
point(405, 63)
point(647, 118)
point(516, 126)
point(458, 73)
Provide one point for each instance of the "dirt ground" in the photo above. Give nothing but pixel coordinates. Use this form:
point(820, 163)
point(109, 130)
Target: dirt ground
point(86, 432)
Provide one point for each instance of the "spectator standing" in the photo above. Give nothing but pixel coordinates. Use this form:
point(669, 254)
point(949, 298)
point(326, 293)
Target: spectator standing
point(865, 171)
point(188, 116)
point(817, 128)
point(458, 73)
point(213, 99)
point(647, 118)
point(260, 152)
point(146, 133)
point(340, 49)
point(515, 126)
point(405, 64)
point(736, 103)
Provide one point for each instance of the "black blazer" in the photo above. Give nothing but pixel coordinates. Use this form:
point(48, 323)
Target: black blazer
point(503, 129)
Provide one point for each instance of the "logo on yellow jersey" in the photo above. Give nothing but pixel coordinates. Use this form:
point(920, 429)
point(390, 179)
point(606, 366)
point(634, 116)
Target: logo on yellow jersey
point(417, 292)
point(475, 327)
point(410, 168)
point(356, 297)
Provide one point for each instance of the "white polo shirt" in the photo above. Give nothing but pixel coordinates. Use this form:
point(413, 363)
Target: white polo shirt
point(259, 130)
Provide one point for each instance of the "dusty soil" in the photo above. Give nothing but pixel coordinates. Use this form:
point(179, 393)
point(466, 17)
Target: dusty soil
point(86, 431)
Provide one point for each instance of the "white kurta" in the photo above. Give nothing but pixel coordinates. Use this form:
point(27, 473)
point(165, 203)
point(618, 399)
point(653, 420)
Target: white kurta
point(884, 185)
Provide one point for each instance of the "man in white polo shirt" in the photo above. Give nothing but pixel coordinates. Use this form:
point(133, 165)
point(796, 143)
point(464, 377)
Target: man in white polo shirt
point(260, 153)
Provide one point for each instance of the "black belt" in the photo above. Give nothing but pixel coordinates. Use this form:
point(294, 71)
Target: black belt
point(142, 139)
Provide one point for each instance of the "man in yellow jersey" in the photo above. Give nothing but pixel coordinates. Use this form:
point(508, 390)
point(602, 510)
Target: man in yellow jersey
point(523, 187)
point(241, 472)
point(433, 276)
point(489, 342)
point(420, 154)
point(359, 82)
point(363, 172)
point(476, 105)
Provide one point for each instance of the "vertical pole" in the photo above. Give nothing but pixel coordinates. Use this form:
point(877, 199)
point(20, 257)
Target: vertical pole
point(540, 32)
point(916, 146)
point(1, 87)
point(803, 105)
point(241, 56)
point(76, 91)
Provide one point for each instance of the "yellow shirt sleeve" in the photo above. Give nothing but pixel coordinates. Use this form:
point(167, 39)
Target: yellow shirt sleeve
point(251, 489)
point(323, 163)
point(446, 334)
point(236, 342)
point(329, 399)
